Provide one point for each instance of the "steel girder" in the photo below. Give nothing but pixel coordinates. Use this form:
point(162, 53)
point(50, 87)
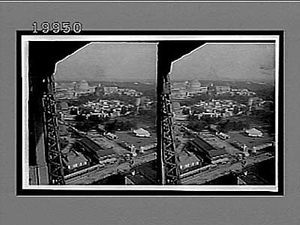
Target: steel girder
point(53, 153)
point(169, 154)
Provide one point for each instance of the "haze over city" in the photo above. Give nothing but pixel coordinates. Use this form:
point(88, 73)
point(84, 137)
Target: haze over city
point(227, 62)
point(137, 62)
point(110, 62)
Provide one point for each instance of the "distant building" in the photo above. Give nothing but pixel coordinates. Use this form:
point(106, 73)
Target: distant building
point(176, 86)
point(262, 146)
point(147, 147)
point(179, 94)
point(240, 146)
point(222, 89)
point(253, 132)
point(69, 117)
point(223, 135)
point(267, 105)
point(195, 88)
point(128, 146)
point(141, 132)
point(99, 91)
point(254, 101)
point(82, 88)
point(181, 117)
point(110, 90)
point(111, 136)
point(209, 114)
point(203, 89)
point(179, 90)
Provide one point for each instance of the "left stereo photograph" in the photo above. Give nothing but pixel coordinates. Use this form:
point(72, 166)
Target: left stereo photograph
point(88, 112)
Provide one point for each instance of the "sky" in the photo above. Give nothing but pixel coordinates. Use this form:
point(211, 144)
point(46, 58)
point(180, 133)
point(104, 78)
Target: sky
point(137, 62)
point(110, 62)
point(227, 61)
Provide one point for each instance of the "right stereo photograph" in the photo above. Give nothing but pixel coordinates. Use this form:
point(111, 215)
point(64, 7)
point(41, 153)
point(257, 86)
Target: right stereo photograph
point(221, 113)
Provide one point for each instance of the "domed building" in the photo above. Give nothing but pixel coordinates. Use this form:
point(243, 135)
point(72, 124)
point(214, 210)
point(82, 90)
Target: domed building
point(82, 86)
point(194, 87)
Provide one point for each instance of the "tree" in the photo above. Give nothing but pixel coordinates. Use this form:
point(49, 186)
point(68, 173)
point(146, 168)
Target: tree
point(110, 126)
point(85, 125)
point(115, 125)
point(80, 118)
point(197, 125)
point(197, 109)
point(123, 110)
point(129, 125)
point(186, 111)
point(235, 110)
point(86, 110)
point(229, 125)
point(210, 120)
point(96, 118)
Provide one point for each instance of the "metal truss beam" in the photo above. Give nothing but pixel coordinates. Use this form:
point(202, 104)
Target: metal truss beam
point(169, 154)
point(53, 153)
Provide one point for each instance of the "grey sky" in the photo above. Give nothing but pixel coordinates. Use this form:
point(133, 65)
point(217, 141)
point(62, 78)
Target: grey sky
point(110, 62)
point(229, 61)
point(137, 61)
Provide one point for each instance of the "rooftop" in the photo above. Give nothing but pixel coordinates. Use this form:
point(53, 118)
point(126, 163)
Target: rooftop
point(202, 144)
point(186, 157)
point(205, 146)
point(217, 152)
point(93, 146)
point(73, 157)
point(141, 132)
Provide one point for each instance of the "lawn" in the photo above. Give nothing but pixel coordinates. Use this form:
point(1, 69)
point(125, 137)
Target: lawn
point(130, 138)
point(249, 141)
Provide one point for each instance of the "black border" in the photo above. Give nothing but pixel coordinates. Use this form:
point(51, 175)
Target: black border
point(43, 192)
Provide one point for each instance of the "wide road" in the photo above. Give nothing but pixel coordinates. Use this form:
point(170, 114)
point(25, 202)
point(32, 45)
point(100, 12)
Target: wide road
point(102, 173)
point(224, 169)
